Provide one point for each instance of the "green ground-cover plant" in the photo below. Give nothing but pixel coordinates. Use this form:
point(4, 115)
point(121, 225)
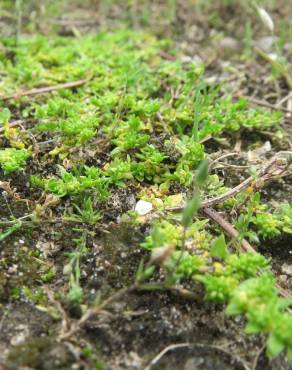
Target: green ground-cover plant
point(74, 183)
point(130, 88)
point(228, 277)
point(277, 222)
point(267, 221)
point(242, 280)
point(86, 213)
point(72, 268)
point(12, 159)
point(139, 120)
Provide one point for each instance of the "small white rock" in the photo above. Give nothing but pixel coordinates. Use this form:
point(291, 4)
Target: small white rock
point(273, 56)
point(142, 207)
point(266, 19)
point(287, 269)
point(21, 336)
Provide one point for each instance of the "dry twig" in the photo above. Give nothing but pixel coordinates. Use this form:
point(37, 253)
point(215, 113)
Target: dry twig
point(215, 216)
point(265, 104)
point(56, 303)
point(184, 293)
point(189, 345)
point(242, 186)
point(257, 356)
point(96, 310)
point(43, 90)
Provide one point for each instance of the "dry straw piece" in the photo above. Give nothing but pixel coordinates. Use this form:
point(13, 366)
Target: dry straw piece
point(266, 19)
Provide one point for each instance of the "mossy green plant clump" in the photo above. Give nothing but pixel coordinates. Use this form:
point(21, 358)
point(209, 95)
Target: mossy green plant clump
point(243, 281)
point(140, 122)
point(126, 102)
point(12, 159)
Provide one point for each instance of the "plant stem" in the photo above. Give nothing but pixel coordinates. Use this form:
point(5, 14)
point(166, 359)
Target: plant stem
point(18, 9)
point(195, 131)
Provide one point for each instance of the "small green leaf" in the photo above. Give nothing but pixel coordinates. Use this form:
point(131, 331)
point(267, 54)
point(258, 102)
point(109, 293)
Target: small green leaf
point(75, 293)
point(140, 270)
point(202, 173)
point(5, 115)
point(252, 237)
point(274, 345)
point(9, 231)
point(289, 355)
point(233, 309)
point(157, 236)
point(190, 210)
point(284, 303)
point(219, 248)
point(148, 272)
point(252, 328)
point(253, 172)
point(287, 229)
point(144, 273)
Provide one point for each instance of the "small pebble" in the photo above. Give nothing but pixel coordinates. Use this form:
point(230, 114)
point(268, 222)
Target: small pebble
point(229, 43)
point(282, 278)
point(142, 207)
point(287, 269)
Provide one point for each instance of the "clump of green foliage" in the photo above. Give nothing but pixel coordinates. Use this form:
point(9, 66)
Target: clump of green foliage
point(262, 220)
point(75, 293)
point(74, 183)
point(167, 233)
point(278, 222)
point(86, 213)
point(12, 159)
point(127, 102)
point(243, 281)
point(141, 120)
point(257, 298)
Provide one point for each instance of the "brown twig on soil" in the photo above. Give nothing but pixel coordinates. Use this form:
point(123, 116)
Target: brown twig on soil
point(75, 22)
point(184, 293)
point(215, 216)
point(222, 165)
point(18, 122)
point(167, 56)
point(223, 156)
point(43, 90)
point(265, 104)
point(56, 303)
point(242, 186)
point(96, 310)
point(189, 345)
point(164, 351)
point(282, 101)
point(257, 356)
point(5, 314)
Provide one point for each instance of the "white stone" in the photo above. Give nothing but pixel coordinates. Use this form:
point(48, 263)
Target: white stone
point(266, 19)
point(287, 269)
point(142, 207)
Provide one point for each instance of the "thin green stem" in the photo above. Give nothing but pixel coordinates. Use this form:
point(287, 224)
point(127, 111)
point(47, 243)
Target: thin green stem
point(195, 130)
point(18, 9)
